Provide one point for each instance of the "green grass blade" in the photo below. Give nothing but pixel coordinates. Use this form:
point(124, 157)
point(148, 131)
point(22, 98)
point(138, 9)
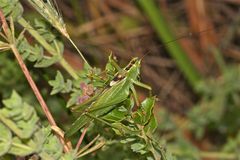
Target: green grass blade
point(164, 33)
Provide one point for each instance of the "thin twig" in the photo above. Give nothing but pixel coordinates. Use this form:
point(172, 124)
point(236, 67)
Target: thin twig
point(33, 86)
point(88, 145)
point(37, 93)
point(81, 138)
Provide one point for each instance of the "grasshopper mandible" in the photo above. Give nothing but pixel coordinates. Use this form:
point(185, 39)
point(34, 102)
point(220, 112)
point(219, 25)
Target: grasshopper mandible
point(117, 91)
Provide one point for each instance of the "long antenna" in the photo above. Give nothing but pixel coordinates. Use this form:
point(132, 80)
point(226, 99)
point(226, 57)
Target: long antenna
point(164, 44)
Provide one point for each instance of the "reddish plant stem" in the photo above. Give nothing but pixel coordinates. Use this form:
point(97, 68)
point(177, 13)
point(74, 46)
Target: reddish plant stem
point(4, 23)
point(37, 93)
point(33, 86)
point(26, 73)
point(81, 138)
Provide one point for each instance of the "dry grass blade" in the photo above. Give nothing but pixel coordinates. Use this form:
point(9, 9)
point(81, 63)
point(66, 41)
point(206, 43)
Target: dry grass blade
point(49, 12)
point(93, 149)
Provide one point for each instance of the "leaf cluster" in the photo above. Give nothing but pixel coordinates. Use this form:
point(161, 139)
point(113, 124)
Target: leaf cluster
point(23, 135)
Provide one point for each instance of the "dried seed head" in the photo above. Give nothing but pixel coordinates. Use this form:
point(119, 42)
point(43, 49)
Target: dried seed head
point(50, 13)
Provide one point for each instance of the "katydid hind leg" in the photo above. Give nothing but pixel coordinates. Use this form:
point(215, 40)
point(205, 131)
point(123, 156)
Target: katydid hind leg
point(140, 84)
point(78, 124)
point(135, 96)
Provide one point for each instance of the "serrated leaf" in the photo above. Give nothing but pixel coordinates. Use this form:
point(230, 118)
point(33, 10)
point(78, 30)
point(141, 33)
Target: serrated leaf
point(51, 149)
point(47, 61)
point(22, 149)
point(14, 101)
point(19, 116)
point(138, 147)
point(50, 35)
point(59, 85)
point(30, 52)
point(73, 99)
point(5, 139)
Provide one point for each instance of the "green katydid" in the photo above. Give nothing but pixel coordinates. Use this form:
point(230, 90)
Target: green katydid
point(107, 99)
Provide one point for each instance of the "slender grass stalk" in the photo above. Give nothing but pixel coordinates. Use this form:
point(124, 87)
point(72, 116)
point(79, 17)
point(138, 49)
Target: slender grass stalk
point(162, 29)
point(92, 149)
point(208, 155)
point(48, 11)
point(219, 59)
point(88, 145)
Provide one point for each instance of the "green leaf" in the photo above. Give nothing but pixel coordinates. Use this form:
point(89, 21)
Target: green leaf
point(47, 61)
point(19, 116)
point(22, 148)
point(52, 148)
point(49, 34)
point(73, 98)
point(5, 139)
point(11, 8)
point(35, 54)
point(59, 85)
point(138, 148)
point(13, 102)
point(21, 134)
point(30, 52)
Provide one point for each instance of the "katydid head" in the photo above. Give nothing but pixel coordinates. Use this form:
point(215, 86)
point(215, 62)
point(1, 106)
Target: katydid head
point(133, 68)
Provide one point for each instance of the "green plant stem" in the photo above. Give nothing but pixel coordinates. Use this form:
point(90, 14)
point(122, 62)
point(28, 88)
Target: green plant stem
point(219, 59)
point(218, 155)
point(88, 145)
point(77, 49)
point(209, 155)
point(164, 33)
point(48, 47)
